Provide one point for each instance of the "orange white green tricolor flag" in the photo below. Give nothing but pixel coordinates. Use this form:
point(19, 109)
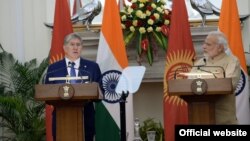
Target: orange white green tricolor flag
point(229, 24)
point(179, 56)
point(112, 59)
point(62, 26)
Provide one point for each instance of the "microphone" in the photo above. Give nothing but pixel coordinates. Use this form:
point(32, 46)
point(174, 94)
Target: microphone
point(208, 72)
point(223, 70)
point(205, 61)
point(45, 78)
point(193, 60)
point(205, 65)
point(82, 70)
point(198, 66)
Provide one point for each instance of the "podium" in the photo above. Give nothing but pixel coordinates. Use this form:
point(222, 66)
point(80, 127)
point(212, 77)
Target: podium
point(68, 99)
point(201, 108)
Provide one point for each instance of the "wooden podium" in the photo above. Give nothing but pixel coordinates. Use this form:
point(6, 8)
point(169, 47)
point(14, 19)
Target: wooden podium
point(68, 101)
point(201, 108)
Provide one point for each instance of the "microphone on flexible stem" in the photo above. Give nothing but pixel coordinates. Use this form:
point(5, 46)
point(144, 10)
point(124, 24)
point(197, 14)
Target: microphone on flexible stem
point(193, 61)
point(205, 61)
point(83, 70)
point(208, 72)
point(45, 77)
point(199, 67)
point(223, 70)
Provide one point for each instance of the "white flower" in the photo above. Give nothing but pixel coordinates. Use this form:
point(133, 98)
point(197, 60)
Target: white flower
point(150, 22)
point(135, 22)
point(142, 30)
point(149, 29)
point(158, 29)
point(163, 2)
point(166, 22)
point(143, 16)
point(159, 9)
point(130, 10)
point(124, 18)
point(138, 13)
point(156, 15)
point(141, 5)
point(132, 28)
point(153, 5)
point(148, 13)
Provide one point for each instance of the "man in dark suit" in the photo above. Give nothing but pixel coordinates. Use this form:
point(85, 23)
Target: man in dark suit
point(83, 67)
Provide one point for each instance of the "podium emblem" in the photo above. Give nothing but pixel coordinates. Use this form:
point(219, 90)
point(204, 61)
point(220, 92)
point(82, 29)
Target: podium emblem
point(66, 91)
point(199, 86)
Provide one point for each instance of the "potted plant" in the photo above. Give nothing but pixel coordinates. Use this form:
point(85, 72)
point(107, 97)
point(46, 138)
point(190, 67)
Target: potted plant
point(151, 125)
point(22, 118)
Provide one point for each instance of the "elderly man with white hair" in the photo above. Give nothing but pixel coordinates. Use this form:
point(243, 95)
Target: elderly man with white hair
point(214, 49)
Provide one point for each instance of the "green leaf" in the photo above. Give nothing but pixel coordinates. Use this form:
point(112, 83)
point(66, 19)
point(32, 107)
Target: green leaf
point(158, 38)
point(139, 50)
point(128, 37)
point(150, 54)
point(22, 116)
point(150, 125)
point(164, 41)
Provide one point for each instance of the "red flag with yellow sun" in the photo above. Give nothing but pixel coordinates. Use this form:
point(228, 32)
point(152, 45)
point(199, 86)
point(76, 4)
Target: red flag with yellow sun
point(179, 56)
point(62, 26)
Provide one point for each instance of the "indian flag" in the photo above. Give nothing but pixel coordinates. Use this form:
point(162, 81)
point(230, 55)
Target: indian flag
point(112, 59)
point(229, 24)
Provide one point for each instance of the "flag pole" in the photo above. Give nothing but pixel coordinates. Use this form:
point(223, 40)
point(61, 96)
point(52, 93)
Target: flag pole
point(123, 115)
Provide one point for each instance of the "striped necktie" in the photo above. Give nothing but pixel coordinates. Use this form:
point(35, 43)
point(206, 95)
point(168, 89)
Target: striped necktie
point(72, 72)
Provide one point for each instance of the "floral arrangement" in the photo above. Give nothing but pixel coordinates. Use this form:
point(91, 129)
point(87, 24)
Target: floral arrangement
point(146, 22)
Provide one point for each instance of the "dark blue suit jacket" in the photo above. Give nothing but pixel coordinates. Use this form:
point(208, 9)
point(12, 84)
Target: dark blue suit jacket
point(87, 68)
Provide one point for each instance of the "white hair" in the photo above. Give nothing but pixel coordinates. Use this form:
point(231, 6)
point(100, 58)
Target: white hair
point(222, 40)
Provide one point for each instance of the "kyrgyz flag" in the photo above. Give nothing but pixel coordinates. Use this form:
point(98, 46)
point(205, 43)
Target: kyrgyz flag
point(112, 58)
point(179, 56)
point(229, 24)
point(62, 26)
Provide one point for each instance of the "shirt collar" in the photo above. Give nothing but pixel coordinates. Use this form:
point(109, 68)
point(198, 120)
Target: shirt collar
point(77, 62)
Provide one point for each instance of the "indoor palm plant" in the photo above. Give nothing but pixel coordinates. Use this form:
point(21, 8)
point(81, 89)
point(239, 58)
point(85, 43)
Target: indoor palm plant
point(22, 117)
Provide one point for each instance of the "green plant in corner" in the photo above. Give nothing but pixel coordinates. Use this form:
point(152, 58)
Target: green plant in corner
point(150, 125)
point(22, 118)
